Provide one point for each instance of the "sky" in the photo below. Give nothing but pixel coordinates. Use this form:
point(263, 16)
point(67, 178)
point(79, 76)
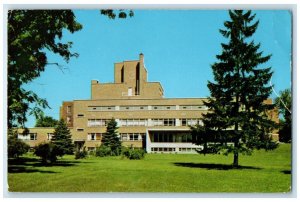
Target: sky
point(179, 47)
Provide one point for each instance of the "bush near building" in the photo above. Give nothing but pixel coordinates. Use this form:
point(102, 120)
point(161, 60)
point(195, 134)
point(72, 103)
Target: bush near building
point(48, 152)
point(15, 146)
point(134, 154)
point(103, 151)
point(81, 154)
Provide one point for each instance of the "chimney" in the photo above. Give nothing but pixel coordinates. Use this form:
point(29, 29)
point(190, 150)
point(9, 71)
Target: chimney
point(141, 57)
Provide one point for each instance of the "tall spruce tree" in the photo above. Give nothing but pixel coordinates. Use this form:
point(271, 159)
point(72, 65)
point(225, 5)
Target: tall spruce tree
point(111, 138)
point(62, 139)
point(238, 111)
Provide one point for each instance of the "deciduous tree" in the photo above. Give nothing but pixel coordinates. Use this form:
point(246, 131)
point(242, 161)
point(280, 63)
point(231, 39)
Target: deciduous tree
point(46, 121)
point(284, 104)
point(30, 34)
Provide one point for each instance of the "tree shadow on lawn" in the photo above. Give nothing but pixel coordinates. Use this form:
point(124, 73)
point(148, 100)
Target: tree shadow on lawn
point(288, 172)
point(30, 165)
point(212, 166)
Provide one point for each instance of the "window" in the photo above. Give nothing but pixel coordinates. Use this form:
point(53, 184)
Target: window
point(163, 149)
point(68, 109)
point(170, 136)
point(68, 119)
point(163, 122)
point(29, 136)
point(97, 122)
point(101, 108)
point(33, 136)
point(122, 75)
point(94, 136)
point(183, 122)
point(124, 137)
point(163, 107)
point(190, 122)
point(49, 136)
point(80, 129)
point(129, 91)
point(133, 122)
point(132, 136)
point(133, 108)
point(80, 115)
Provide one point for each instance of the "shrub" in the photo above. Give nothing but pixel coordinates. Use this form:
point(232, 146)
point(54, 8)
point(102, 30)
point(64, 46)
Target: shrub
point(92, 153)
point(134, 154)
point(47, 152)
point(15, 147)
point(81, 154)
point(103, 151)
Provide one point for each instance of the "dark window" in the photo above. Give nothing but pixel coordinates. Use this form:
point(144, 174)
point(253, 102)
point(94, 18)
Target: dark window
point(122, 75)
point(137, 79)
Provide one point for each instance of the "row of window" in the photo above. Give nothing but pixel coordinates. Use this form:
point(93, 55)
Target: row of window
point(133, 122)
point(146, 107)
point(144, 122)
point(28, 136)
point(172, 149)
point(90, 136)
point(163, 149)
point(132, 136)
point(97, 122)
point(168, 136)
point(123, 136)
point(163, 122)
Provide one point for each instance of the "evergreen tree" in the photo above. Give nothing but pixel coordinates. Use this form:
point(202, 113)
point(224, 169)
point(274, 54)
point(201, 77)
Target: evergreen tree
point(111, 138)
point(238, 113)
point(62, 139)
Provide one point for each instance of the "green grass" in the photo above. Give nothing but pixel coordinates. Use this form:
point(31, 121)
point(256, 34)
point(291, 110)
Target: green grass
point(261, 172)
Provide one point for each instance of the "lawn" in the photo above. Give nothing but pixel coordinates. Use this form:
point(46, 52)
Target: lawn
point(261, 172)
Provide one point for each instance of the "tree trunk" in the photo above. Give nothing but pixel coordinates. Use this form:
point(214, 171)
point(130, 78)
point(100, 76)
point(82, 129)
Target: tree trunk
point(236, 146)
point(236, 159)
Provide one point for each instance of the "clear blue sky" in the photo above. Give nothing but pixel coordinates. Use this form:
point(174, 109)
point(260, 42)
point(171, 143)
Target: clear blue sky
point(179, 47)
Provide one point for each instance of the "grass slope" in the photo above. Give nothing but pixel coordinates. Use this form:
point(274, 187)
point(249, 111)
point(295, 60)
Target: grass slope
point(261, 172)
